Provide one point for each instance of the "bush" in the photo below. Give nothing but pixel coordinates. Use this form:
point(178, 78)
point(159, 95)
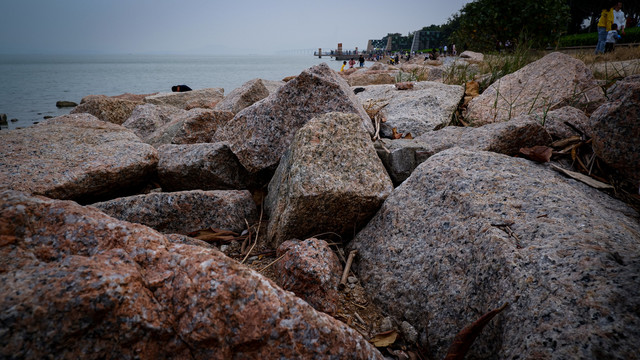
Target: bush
point(591, 39)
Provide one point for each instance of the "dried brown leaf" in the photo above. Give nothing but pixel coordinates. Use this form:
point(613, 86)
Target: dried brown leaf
point(384, 339)
point(563, 143)
point(462, 342)
point(396, 134)
point(538, 153)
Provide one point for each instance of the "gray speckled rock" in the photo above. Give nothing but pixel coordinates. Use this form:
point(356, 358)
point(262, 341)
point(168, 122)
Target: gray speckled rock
point(200, 166)
point(376, 77)
point(418, 111)
point(329, 180)
point(185, 211)
point(74, 157)
point(476, 56)
point(311, 270)
point(616, 128)
point(78, 284)
point(158, 125)
point(183, 100)
point(403, 155)
point(552, 82)
point(109, 109)
point(246, 95)
point(469, 231)
point(261, 133)
point(555, 122)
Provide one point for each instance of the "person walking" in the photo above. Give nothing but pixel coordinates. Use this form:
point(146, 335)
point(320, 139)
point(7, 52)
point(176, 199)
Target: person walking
point(619, 18)
point(361, 61)
point(604, 25)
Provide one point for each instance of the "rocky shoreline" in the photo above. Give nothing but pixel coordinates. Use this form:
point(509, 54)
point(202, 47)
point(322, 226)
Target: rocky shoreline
point(142, 226)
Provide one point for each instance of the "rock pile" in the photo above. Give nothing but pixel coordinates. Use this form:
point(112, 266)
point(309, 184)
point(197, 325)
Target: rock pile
point(471, 224)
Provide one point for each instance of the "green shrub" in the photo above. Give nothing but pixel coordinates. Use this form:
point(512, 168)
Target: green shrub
point(591, 39)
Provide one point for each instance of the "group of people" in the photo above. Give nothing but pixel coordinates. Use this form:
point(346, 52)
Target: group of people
point(352, 63)
point(610, 26)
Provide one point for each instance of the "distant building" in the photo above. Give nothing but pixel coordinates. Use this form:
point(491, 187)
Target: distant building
point(425, 39)
point(419, 40)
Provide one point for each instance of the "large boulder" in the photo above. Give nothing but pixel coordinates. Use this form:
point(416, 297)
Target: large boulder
point(330, 180)
point(75, 157)
point(184, 212)
point(78, 284)
point(566, 122)
point(400, 157)
point(364, 78)
point(552, 82)
point(109, 109)
point(246, 95)
point(427, 106)
point(261, 133)
point(469, 231)
point(204, 98)
point(200, 166)
point(616, 128)
point(471, 55)
point(158, 125)
point(311, 270)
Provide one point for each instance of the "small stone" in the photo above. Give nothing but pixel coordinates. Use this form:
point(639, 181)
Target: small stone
point(352, 279)
point(409, 332)
point(224, 248)
point(386, 324)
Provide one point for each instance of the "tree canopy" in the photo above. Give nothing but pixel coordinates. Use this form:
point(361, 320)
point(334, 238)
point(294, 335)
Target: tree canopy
point(484, 23)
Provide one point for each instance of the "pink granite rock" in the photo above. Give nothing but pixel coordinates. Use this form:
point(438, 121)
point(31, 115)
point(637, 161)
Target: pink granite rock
point(552, 82)
point(312, 271)
point(162, 124)
point(79, 284)
point(75, 156)
point(109, 109)
point(616, 128)
point(184, 212)
point(261, 133)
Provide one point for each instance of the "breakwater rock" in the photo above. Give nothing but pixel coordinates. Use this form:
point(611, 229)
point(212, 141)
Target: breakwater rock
point(445, 225)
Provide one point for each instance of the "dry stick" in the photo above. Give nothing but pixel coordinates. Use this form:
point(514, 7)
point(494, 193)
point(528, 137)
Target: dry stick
point(347, 267)
point(271, 263)
point(257, 233)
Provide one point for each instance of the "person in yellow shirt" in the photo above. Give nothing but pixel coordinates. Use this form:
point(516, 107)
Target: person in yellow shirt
point(344, 63)
point(604, 25)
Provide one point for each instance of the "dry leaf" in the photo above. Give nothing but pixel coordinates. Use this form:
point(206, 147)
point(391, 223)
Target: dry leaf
point(215, 235)
point(408, 136)
point(583, 178)
point(565, 142)
point(384, 339)
point(396, 134)
point(538, 153)
point(462, 342)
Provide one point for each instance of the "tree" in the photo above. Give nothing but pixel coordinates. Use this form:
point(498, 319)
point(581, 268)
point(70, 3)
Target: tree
point(485, 23)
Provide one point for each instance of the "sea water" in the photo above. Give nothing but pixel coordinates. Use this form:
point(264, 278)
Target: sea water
point(30, 85)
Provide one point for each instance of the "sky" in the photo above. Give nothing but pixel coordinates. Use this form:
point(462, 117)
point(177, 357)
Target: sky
point(209, 27)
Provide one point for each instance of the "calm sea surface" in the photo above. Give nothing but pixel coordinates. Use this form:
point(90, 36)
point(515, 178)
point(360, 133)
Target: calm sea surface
point(30, 85)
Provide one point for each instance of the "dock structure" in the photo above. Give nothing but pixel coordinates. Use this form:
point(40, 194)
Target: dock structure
point(340, 53)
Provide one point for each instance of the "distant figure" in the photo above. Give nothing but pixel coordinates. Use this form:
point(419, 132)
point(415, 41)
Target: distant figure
point(397, 59)
point(453, 50)
point(361, 60)
point(180, 88)
point(619, 18)
point(612, 38)
point(344, 63)
point(604, 25)
point(351, 63)
point(445, 50)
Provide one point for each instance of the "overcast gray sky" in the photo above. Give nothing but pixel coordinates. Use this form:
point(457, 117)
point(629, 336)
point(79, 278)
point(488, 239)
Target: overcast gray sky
point(213, 26)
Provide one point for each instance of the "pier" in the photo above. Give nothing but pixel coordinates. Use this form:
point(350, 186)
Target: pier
point(339, 53)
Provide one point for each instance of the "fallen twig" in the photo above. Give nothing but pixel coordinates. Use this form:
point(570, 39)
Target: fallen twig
point(347, 267)
point(257, 233)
